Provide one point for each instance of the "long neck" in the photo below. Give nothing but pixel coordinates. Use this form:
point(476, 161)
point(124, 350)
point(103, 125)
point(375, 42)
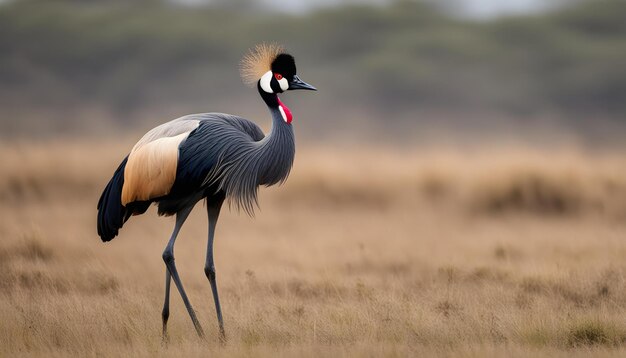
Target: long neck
point(277, 149)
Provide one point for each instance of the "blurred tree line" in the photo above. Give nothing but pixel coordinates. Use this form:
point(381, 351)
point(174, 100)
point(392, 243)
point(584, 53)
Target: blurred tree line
point(79, 65)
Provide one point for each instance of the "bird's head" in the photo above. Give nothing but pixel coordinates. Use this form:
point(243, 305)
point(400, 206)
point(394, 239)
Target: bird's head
point(271, 69)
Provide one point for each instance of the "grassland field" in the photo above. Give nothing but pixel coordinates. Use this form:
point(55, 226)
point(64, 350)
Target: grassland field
point(373, 252)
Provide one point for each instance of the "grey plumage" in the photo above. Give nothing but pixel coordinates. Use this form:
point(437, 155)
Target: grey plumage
point(242, 157)
point(243, 166)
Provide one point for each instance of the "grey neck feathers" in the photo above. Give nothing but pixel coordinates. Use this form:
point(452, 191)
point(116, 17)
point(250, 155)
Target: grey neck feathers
point(277, 151)
point(266, 162)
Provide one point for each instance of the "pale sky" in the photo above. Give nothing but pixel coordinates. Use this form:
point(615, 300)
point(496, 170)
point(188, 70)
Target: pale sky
point(490, 8)
point(472, 8)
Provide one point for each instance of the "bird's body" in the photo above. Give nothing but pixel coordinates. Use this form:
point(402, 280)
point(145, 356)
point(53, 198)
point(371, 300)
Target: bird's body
point(212, 156)
point(194, 157)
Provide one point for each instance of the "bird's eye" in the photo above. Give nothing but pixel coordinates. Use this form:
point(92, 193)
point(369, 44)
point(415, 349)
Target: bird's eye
point(278, 76)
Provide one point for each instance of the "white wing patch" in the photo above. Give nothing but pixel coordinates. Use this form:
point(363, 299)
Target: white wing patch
point(169, 129)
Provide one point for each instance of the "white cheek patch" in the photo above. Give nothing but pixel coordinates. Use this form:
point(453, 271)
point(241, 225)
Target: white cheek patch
point(284, 85)
point(265, 81)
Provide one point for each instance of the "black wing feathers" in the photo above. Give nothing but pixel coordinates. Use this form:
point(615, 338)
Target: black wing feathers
point(111, 213)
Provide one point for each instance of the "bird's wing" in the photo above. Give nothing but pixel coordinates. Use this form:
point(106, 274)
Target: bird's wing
point(151, 167)
point(179, 155)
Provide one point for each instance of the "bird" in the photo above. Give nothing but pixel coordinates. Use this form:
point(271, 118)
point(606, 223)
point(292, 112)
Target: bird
point(212, 156)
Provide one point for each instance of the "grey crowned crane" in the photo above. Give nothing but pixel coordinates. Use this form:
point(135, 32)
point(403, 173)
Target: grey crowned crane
point(211, 156)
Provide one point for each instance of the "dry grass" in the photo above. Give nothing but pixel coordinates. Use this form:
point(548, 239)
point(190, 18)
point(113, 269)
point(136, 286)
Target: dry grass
point(382, 253)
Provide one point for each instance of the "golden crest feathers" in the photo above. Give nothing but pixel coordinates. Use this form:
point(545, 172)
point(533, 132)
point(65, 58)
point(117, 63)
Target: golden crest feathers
point(258, 61)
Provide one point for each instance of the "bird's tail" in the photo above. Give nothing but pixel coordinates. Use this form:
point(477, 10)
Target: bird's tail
point(111, 213)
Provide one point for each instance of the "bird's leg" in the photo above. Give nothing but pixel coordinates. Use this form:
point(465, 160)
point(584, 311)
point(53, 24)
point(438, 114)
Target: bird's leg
point(213, 210)
point(168, 257)
point(166, 305)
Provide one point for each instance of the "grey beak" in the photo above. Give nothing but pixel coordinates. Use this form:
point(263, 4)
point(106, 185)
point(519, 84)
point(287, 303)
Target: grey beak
point(297, 83)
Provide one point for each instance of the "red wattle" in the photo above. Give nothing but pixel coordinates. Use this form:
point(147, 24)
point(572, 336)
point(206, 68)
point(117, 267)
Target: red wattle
point(286, 110)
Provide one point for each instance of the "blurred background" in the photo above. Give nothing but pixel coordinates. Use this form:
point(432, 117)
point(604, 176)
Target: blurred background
point(409, 72)
point(459, 187)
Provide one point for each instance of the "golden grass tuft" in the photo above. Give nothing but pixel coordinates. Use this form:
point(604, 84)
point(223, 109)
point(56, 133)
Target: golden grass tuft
point(595, 332)
point(29, 247)
point(531, 192)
